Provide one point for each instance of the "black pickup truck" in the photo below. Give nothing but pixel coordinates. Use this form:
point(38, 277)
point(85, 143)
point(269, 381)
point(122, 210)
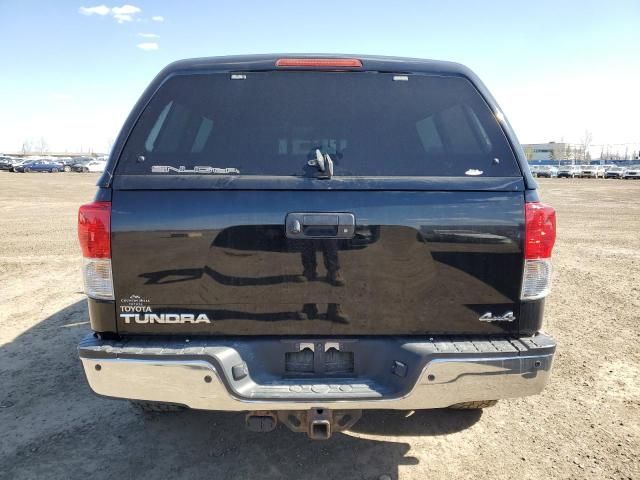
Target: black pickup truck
point(304, 237)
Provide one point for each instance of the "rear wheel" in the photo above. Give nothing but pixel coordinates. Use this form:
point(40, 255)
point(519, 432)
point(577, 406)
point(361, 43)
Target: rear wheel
point(155, 407)
point(54, 170)
point(67, 168)
point(27, 170)
point(473, 405)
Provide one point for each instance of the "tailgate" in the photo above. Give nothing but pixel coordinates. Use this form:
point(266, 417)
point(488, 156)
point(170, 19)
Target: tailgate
point(223, 262)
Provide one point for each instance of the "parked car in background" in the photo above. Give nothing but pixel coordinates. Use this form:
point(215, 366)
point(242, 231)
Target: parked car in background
point(632, 172)
point(547, 171)
point(50, 166)
point(20, 166)
point(78, 162)
point(19, 163)
point(592, 171)
point(90, 166)
point(534, 169)
point(568, 171)
point(615, 172)
point(6, 163)
point(67, 163)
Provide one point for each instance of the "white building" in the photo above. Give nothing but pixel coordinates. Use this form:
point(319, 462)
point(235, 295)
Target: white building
point(546, 151)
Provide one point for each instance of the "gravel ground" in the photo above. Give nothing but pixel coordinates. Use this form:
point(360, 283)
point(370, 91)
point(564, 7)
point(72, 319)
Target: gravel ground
point(586, 424)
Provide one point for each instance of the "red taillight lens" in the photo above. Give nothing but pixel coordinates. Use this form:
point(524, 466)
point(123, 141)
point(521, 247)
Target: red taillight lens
point(94, 229)
point(540, 230)
point(319, 62)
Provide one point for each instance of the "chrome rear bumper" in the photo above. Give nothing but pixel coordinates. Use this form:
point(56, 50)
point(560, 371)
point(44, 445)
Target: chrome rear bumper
point(446, 372)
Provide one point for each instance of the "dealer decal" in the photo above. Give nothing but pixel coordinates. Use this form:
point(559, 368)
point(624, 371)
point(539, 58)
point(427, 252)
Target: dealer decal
point(202, 169)
point(136, 309)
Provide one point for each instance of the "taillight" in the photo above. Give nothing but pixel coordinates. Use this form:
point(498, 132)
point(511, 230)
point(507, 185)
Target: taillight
point(94, 234)
point(94, 229)
point(319, 62)
point(540, 230)
point(539, 238)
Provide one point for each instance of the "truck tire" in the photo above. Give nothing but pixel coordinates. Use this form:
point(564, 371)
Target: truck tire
point(155, 407)
point(473, 405)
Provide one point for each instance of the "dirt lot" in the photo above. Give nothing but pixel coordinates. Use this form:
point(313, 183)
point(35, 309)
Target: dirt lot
point(585, 425)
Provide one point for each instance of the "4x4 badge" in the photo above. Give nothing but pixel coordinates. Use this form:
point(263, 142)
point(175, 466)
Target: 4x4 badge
point(488, 317)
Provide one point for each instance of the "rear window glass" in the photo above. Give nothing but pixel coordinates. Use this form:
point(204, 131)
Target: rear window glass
point(271, 123)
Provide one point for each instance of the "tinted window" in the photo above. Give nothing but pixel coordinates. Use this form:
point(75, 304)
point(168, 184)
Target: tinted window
point(271, 123)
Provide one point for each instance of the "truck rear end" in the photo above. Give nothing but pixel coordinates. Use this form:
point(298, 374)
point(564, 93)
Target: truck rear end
point(304, 238)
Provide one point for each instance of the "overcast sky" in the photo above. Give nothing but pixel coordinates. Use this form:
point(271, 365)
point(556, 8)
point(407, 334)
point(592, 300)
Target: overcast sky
point(71, 71)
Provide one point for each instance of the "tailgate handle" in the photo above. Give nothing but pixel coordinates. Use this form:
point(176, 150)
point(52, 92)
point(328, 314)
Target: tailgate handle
point(320, 225)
